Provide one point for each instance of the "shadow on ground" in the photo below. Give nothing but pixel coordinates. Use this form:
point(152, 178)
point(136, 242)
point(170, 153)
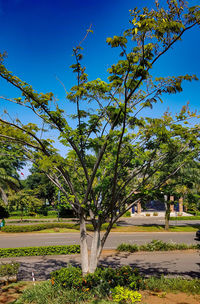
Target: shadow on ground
point(45, 266)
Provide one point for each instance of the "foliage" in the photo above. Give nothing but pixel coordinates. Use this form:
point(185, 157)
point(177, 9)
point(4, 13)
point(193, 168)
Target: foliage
point(172, 284)
point(39, 251)
point(41, 185)
point(25, 200)
point(127, 214)
point(9, 269)
point(156, 245)
point(101, 281)
point(112, 151)
point(45, 293)
point(128, 247)
point(125, 295)
point(39, 227)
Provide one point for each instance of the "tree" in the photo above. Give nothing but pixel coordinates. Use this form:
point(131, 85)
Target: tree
point(41, 185)
point(10, 162)
point(24, 200)
point(113, 151)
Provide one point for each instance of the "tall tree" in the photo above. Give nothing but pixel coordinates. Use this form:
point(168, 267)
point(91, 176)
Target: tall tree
point(11, 160)
point(115, 151)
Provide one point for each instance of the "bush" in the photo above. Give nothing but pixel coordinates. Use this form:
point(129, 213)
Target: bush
point(148, 214)
point(156, 245)
point(101, 281)
point(128, 247)
point(155, 214)
point(38, 251)
point(127, 214)
point(125, 295)
point(9, 269)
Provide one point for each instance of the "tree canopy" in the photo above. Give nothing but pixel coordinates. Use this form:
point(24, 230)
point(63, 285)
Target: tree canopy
point(112, 151)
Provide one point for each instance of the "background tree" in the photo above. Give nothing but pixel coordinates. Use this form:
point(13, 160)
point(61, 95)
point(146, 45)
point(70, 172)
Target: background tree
point(11, 160)
point(112, 145)
point(25, 201)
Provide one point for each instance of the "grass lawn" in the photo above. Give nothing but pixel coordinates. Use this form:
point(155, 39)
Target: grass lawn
point(150, 228)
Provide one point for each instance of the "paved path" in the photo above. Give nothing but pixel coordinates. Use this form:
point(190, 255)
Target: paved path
point(44, 239)
point(177, 263)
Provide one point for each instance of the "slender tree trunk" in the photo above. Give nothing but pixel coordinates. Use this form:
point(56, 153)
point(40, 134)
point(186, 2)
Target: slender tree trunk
point(4, 196)
point(167, 215)
point(95, 250)
point(84, 246)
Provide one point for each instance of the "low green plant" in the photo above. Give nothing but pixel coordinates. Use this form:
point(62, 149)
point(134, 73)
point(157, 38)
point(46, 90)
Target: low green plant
point(172, 284)
point(39, 227)
point(39, 251)
point(46, 293)
point(148, 214)
point(156, 245)
point(128, 247)
point(122, 294)
point(9, 269)
point(127, 214)
point(185, 218)
point(99, 282)
point(155, 214)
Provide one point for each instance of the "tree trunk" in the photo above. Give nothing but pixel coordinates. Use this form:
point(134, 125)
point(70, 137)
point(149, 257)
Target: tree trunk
point(167, 215)
point(95, 251)
point(84, 246)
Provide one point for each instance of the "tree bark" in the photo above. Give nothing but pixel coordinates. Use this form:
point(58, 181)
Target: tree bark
point(95, 250)
point(84, 246)
point(167, 215)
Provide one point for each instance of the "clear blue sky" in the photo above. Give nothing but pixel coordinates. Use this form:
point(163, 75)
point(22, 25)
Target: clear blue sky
point(39, 35)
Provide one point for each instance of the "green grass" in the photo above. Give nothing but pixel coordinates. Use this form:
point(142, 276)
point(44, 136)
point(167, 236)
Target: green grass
point(45, 293)
point(172, 284)
point(71, 227)
point(185, 218)
point(156, 228)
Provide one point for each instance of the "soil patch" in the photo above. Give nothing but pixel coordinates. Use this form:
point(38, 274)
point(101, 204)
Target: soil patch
point(169, 298)
point(10, 293)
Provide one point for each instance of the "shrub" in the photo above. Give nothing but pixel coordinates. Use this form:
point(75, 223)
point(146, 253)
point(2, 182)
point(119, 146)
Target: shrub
point(128, 247)
point(148, 214)
point(102, 280)
point(38, 251)
point(155, 214)
point(125, 295)
point(9, 269)
point(156, 245)
point(127, 214)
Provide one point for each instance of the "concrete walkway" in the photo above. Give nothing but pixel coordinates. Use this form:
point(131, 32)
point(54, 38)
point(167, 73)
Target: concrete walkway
point(176, 263)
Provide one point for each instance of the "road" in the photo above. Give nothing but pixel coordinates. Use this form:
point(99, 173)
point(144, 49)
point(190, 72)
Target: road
point(114, 239)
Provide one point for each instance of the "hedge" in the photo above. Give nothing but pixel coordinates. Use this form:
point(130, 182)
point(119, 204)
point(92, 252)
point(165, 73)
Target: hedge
point(39, 251)
point(156, 245)
point(39, 227)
